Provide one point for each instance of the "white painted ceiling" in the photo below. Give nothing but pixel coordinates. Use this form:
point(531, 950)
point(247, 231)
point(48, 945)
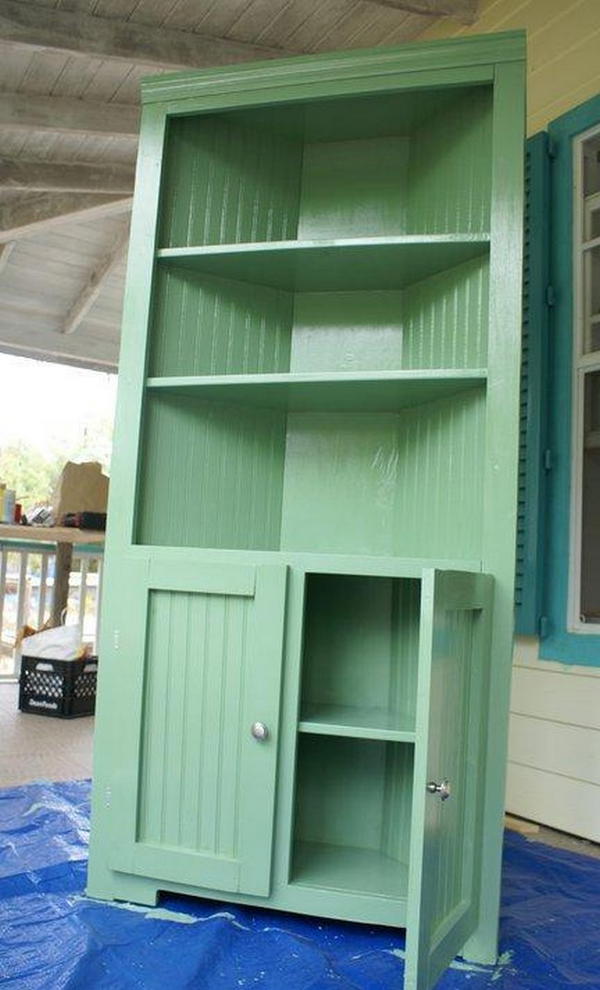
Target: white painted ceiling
point(69, 86)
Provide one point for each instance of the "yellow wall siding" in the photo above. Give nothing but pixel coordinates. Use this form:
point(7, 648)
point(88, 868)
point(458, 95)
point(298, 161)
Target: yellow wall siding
point(563, 49)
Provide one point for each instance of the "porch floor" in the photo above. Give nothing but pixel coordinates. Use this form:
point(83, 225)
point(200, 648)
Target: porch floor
point(36, 747)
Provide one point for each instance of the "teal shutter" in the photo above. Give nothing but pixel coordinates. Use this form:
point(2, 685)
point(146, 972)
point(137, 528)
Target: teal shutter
point(532, 452)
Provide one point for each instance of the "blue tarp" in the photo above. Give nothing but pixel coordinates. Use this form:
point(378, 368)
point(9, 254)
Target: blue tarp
point(53, 937)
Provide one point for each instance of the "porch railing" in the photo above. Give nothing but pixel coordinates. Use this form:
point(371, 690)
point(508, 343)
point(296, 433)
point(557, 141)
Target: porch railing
point(26, 588)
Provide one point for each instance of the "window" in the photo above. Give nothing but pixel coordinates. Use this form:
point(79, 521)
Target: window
point(584, 590)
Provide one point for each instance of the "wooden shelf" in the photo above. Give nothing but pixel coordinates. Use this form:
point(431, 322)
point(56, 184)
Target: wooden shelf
point(384, 391)
point(333, 265)
point(356, 723)
point(347, 868)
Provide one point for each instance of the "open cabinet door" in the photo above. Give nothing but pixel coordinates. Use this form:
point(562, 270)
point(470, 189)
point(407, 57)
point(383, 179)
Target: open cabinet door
point(449, 765)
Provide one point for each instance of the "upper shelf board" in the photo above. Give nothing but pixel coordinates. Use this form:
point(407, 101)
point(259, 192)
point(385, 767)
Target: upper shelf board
point(335, 265)
point(384, 391)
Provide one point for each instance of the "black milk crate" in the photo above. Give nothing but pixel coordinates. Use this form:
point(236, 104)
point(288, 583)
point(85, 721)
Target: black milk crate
point(59, 688)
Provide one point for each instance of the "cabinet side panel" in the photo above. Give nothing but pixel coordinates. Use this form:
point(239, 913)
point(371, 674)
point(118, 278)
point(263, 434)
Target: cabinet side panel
point(438, 504)
point(450, 168)
point(445, 318)
point(210, 477)
point(226, 183)
point(204, 325)
point(190, 751)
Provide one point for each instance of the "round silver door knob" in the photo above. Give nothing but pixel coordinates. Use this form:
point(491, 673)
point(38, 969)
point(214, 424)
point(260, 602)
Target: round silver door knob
point(443, 789)
point(259, 731)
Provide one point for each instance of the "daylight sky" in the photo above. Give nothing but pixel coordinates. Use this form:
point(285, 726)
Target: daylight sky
point(49, 405)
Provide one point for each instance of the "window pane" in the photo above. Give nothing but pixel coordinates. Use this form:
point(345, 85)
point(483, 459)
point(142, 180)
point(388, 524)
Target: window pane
point(591, 165)
point(591, 299)
point(590, 528)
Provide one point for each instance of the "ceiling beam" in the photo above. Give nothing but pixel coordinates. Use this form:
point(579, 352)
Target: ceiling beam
point(34, 214)
point(5, 252)
point(42, 27)
point(95, 283)
point(61, 115)
point(60, 177)
point(463, 10)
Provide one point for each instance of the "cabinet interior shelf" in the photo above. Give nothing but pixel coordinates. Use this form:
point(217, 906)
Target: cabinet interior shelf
point(361, 391)
point(347, 868)
point(333, 265)
point(356, 722)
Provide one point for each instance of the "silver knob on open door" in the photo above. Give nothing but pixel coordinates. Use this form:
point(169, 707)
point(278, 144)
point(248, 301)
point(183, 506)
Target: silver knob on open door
point(442, 789)
point(260, 731)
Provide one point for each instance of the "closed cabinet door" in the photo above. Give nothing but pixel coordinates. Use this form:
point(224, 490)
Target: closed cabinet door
point(444, 873)
point(193, 798)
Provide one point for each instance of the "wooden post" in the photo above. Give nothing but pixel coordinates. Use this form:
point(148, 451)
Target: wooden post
point(62, 573)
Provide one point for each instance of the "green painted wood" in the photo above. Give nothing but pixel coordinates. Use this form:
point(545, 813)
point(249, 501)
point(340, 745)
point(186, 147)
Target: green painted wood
point(276, 241)
point(451, 191)
point(357, 721)
point(445, 866)
point(225, 183)
point(210, 474)
point(339, 466)
point(202, 325)
point(409, 67)
point(352, 391)
point(361, 645)
point(352, 814)
point(353, 263)
point(534, 371)
point(205, 799)
point(501, 468)
point(445, 318)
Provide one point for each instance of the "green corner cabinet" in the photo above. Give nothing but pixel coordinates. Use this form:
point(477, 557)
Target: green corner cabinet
point(308, 606)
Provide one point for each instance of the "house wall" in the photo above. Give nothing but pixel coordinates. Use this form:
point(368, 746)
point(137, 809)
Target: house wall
point(563, 36)
point(554, 741)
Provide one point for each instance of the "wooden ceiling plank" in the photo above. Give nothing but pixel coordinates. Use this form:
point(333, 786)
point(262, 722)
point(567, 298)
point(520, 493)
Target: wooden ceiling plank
point(35, 214)
point(95, 283)
point(33, 26)
point(22, 112)
point(463, 10)
point(15, 173)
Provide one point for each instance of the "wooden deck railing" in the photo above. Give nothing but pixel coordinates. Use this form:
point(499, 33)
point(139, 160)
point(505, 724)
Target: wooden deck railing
point(26, 591)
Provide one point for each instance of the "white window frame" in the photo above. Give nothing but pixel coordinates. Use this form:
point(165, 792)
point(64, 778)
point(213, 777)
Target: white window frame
point(582, 364)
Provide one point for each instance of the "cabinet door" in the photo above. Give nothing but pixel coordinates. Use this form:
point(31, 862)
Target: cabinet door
point(201, 648)
point(449, 764)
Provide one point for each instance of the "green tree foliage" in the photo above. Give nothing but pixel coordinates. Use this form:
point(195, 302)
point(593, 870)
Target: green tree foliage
point(31, 473)
point(34, 473)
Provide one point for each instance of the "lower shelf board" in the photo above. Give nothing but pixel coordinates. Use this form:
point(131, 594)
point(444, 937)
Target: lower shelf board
point(356, 722)
point(348, 869)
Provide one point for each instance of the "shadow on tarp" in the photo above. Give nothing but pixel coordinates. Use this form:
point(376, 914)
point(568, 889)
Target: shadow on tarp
point(53, 937)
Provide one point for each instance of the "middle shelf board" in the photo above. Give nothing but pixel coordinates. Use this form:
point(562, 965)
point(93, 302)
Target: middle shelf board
point(356, 722)
point(369, 263)
point(384, 391)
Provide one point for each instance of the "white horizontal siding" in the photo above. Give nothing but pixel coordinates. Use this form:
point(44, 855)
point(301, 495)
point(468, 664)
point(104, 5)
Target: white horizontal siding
point(554, 743)
point(560, 802)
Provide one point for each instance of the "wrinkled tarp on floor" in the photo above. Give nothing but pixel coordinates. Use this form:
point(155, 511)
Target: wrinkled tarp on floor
point(52, 936)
